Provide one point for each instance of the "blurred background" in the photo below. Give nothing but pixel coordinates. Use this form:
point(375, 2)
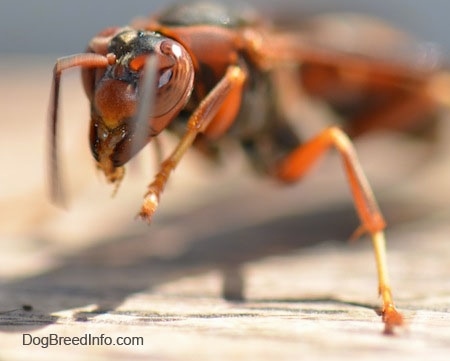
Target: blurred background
point(64, 27)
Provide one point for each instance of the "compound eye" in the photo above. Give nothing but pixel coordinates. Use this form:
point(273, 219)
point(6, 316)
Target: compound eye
point(165, 77)
point(175, 77)
point(165, 73)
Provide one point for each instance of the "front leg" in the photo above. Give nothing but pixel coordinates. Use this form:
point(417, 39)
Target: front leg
point(210, 111)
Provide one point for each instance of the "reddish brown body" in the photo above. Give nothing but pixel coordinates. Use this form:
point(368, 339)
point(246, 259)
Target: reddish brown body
point(203, 72)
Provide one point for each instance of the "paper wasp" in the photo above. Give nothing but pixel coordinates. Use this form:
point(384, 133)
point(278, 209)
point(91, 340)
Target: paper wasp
point(204, 72)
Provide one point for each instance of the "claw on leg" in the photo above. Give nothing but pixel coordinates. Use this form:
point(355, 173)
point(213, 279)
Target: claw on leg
point(149, 205)
point(151, 198)
point(390, 316)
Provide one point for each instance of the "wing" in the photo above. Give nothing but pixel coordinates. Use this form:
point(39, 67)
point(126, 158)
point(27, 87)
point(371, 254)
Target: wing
point(371, 74)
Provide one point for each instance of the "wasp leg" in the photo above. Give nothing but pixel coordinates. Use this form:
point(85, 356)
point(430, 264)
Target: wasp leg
point(299, 162)
point(209, 111)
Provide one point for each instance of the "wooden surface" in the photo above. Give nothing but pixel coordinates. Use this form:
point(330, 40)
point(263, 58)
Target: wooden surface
point(298, 289)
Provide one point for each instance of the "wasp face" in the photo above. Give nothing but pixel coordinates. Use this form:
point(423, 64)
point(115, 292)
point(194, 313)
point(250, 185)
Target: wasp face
point(115, 135)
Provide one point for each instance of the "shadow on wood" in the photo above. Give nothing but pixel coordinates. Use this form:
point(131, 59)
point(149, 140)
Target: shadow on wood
point(106, 274)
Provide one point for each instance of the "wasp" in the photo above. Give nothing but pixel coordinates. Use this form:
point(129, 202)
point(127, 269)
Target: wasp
point(204, 72)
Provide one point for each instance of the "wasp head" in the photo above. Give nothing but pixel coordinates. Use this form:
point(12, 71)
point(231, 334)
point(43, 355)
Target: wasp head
point(134, 99)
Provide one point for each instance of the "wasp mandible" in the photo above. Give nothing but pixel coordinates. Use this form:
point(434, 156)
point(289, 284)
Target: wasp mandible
point(203, 72)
